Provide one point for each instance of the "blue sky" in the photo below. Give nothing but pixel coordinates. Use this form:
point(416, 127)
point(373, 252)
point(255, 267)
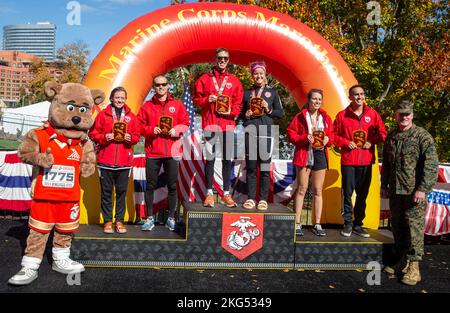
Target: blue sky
point(100, 19)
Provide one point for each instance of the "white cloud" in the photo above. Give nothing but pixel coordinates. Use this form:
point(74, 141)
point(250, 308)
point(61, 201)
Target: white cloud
point(86, 8)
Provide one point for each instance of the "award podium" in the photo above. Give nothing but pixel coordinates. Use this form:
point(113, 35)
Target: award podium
point(205, 240)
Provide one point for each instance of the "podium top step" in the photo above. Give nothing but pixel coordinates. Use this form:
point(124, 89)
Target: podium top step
point(274, 208)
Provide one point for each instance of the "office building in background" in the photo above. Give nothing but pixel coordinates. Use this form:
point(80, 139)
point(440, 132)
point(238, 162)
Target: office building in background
point(37, 39)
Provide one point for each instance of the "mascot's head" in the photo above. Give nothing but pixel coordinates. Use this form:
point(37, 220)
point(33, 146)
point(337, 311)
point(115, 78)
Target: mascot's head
point(70, 112)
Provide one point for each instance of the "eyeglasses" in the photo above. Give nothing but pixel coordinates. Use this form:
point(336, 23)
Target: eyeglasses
point(223, 58)
point(159, 85)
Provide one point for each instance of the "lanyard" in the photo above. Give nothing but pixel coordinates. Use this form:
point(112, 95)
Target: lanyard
point(216, 85)
point(122, 115)
point(314, 123)
point(260, 91)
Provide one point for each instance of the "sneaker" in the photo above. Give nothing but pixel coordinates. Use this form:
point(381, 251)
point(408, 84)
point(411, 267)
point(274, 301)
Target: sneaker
point(67, 266)
point(209, 201)
point(360, 232)
point(24, 277)
point(299, 230)
point(318, 230)
point(170, 224)
point(229, 202)
point(149, 224)
point(347, 231)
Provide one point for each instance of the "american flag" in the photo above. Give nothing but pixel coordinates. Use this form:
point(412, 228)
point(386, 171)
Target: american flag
point(189, 105)
point(191, 182)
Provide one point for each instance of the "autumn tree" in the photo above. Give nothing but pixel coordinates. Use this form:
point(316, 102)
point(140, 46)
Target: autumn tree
point(401, 54)
point(41, 74)
point(74, 61)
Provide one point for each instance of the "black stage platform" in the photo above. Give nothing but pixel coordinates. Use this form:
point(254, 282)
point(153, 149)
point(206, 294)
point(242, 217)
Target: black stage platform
point(198, 244)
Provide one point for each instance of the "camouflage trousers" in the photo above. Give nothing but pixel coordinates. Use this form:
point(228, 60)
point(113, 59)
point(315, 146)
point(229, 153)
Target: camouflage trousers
point(408, 225)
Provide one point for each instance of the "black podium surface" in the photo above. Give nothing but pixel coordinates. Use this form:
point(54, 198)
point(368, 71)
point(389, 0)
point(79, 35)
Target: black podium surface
point(198, 244)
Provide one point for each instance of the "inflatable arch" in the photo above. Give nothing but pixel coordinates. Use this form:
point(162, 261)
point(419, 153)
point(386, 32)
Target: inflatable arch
point(185, 34)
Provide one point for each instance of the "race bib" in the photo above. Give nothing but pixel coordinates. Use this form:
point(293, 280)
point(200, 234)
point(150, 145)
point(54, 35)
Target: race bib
point(59, 176)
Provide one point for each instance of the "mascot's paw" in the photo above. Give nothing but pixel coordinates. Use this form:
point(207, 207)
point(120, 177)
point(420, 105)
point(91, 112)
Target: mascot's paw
point(46, 159)
point(87, 170)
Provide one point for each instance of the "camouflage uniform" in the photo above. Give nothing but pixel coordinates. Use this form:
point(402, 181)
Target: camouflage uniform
point(410, 164)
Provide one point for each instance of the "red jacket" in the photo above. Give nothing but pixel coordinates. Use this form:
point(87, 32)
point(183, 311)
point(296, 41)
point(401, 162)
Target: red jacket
point(204, 87)
point(160, 146)
point(346, 123)
point(297, 133)
point(115, 154)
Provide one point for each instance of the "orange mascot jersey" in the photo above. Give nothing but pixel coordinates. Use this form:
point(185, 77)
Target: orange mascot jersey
point(56, 190)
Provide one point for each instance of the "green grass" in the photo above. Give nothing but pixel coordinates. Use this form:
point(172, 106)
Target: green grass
point(8, 145)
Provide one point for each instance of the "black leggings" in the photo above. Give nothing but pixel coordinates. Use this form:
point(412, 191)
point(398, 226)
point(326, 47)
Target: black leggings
point(110, 179)
point(226, 140)
point(152, 168)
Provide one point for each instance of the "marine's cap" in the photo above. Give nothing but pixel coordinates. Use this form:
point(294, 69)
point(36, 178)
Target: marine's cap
point(405, 106)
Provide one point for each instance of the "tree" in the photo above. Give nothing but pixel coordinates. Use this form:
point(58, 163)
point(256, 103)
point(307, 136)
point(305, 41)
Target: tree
point(404, 56)
point(74, 61)
point(41, 74)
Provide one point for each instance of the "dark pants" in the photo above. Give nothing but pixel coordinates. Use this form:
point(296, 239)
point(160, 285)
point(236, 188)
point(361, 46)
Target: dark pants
point(355, 178)
point(408, 226)
point(108, 180)
point(152, 168)
point(258, 151)
point(226, 140)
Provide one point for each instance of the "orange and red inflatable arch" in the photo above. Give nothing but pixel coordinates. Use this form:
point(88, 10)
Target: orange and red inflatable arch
point(185, 34)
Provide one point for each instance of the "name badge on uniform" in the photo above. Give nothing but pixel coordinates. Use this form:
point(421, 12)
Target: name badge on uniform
point(59, 176)
point(319, 136)
point(165, 124)
point(223, 104)
point(359, 138)
point(119, 131)
point(256, 106)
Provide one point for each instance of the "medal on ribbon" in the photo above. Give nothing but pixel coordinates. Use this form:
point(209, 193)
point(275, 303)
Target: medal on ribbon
point(119, 126)
point(256, 103)
point(223, 102)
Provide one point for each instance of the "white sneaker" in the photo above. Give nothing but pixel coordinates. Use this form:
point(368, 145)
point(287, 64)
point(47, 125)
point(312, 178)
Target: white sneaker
point(67, 266)
point(63, 264)
point(24, 277)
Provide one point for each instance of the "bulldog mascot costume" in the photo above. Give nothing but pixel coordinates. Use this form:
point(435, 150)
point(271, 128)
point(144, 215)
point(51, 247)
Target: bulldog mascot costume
point(60, 152)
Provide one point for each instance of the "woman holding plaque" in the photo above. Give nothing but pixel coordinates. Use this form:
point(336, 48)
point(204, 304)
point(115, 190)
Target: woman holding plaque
point(260, 105)
point(163, 119)
point(311, 132)
point(115, 130)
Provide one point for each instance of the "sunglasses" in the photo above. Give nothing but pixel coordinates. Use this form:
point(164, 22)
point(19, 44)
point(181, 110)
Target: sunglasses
point(159, 85)
point(223, 58)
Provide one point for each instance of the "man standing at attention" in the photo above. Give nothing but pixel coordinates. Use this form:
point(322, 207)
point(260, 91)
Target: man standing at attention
point(357, 129)
point(410, 170)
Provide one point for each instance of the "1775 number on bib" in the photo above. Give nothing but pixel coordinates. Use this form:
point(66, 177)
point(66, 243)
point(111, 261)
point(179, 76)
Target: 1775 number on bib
point(59, 176)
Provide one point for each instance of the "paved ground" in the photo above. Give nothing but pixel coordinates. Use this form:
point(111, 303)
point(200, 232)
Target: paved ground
point(435, 271)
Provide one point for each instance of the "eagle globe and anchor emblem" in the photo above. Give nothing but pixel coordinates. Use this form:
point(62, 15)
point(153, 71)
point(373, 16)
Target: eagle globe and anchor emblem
point(242, 235)
point(237, 241)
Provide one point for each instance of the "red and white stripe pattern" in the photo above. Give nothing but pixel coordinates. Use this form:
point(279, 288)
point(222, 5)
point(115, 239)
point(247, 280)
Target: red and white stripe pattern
point(191, 179)
point(15, 182)
point(437, 215)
